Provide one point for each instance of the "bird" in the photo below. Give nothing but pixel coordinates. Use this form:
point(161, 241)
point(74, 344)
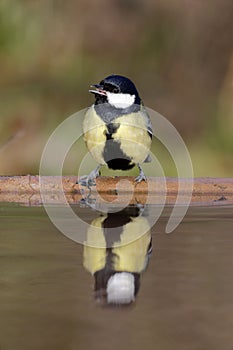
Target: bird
point(117, 129)
point(117, 250)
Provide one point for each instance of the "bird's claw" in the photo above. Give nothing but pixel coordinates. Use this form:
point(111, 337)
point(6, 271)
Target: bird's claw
point(89, 180)
point(140, 177)
point(86, 181)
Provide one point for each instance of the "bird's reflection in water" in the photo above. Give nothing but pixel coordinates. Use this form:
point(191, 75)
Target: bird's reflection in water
point(116, 253)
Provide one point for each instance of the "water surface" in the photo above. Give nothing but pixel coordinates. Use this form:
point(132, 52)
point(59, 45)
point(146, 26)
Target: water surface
point(47, 298)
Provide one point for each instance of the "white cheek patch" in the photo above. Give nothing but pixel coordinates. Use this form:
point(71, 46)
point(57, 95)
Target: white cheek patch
point(120, 100)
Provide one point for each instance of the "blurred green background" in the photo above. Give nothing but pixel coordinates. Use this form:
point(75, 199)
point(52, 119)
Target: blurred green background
point(178, 53)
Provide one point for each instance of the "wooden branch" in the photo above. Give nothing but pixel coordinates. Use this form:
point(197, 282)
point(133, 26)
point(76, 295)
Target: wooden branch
point(26, 190)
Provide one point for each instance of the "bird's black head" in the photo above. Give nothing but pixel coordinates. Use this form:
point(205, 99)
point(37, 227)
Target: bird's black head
point(117, 90)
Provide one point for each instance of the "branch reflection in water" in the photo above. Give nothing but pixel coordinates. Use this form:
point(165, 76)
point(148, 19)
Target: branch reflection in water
point(116, 264)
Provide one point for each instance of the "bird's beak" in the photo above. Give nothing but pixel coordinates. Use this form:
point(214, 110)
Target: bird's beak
point(99, 90)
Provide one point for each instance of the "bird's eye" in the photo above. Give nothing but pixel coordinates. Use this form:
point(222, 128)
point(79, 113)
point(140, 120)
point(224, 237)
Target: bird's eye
point(115, 90)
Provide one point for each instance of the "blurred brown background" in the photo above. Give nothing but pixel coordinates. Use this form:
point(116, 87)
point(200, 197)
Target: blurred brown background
point(178, 53)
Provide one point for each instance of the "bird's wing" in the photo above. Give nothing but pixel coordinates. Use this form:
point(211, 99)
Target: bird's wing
point(149, 129)
point(148, 121)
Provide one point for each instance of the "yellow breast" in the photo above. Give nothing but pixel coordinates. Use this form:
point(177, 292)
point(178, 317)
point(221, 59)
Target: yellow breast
point(131, 135)
point(94, 130)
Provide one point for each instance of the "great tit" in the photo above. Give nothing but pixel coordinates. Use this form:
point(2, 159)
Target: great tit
point(116, 253)
point(117, 128)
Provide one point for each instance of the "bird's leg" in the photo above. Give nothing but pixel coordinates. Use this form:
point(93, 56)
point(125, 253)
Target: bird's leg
point(89, 180)
point(141, 176)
